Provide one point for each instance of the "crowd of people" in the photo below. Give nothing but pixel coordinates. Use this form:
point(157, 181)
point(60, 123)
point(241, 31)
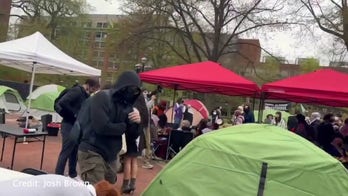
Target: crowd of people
point(329, 133)
point(103, 116)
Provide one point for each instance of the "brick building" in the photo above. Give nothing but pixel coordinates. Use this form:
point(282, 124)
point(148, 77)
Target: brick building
point(245, 55)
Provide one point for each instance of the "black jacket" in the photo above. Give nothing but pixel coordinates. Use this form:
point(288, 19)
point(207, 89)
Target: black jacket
point(71, 103)
point(326, 133)
point(109, 120)
point(249, 117)
point(292, 123)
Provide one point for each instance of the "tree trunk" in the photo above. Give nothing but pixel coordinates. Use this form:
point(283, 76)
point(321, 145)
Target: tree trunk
point(5, 9)
point(345, 25)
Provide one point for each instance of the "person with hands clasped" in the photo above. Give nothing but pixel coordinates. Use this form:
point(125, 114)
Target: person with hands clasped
point(111, 114)
point(132, 139)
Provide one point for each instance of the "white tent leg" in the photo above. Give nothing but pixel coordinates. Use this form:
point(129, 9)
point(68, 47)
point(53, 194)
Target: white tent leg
point(30, 91)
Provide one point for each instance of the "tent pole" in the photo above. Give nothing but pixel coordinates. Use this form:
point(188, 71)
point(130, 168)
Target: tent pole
point(253, 103)
point(30, 91)
point(261, 106)
point(172, 121)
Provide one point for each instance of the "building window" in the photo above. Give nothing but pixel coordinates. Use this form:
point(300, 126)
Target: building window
point(100, 44)
point(99, 24)
point(86, 35)
point(100, 35)
point(113, 66)
point(102, 25)
point(87, 24)
point(98, 64)
point(98, 54)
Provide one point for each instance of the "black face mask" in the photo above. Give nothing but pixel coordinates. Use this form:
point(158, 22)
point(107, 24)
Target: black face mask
point(129, 94)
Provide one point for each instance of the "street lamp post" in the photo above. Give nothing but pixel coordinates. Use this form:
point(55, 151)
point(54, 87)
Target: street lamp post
point(141, 67)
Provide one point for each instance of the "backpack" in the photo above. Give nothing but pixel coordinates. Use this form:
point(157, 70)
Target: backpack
point(57, 107)
point(83, 121)
point(83, 118)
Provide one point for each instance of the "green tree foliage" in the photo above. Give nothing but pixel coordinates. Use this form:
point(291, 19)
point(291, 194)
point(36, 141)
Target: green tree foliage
point(127, 40)
point(11, 74)
point(61, 22)
point(50, 13)
point(309, 65)
point(269, 71)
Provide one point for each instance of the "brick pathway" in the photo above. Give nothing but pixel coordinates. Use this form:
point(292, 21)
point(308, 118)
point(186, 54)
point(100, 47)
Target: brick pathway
point(28, 156)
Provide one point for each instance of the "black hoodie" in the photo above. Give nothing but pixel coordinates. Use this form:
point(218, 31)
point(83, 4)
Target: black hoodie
point(109, 119)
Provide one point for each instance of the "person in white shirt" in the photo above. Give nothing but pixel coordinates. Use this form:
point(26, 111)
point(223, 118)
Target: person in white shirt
point(278, 120)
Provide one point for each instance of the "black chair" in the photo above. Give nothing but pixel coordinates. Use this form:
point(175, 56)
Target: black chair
point(32, 171)
point(2, 116)
point(45, 120)
point(178, 140)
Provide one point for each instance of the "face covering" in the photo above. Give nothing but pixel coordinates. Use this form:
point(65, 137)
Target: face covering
point(129, 94)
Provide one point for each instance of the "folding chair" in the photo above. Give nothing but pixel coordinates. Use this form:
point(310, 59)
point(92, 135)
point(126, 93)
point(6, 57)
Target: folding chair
point(159, 148)
point(177, 141)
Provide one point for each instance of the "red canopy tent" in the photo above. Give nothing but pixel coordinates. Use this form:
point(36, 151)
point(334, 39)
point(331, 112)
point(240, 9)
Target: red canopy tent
point(204, 77)
point(324, 87)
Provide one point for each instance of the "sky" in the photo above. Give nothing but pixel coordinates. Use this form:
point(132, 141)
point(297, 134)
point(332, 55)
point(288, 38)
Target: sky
point(105, 6)
point(286, 44)
point(289, 44)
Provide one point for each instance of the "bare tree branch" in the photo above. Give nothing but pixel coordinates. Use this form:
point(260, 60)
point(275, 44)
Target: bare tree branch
point(309, 7)
point(338, 5)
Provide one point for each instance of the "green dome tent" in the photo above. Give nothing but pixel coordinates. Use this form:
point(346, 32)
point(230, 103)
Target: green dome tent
point(10, 100)
point(42, 101)
point(45, 101)
point(251, 160)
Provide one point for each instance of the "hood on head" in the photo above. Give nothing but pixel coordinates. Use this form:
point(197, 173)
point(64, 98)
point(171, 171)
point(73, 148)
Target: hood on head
point(127, 78)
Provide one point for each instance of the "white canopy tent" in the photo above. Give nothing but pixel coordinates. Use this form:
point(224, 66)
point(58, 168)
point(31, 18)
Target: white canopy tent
point(35, 54)
point(35, 51)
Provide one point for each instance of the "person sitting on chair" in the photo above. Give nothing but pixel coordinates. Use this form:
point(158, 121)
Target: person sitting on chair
point(185, 126)
point(209, 128)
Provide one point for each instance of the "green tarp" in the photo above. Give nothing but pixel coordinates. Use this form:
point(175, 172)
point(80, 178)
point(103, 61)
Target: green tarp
point(229, 162)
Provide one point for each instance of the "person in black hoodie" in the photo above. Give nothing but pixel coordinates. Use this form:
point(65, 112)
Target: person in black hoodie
point(70, 103)
point(133, 150)
point(111, 114)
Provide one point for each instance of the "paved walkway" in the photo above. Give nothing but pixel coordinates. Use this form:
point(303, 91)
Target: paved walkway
point(28, 156)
